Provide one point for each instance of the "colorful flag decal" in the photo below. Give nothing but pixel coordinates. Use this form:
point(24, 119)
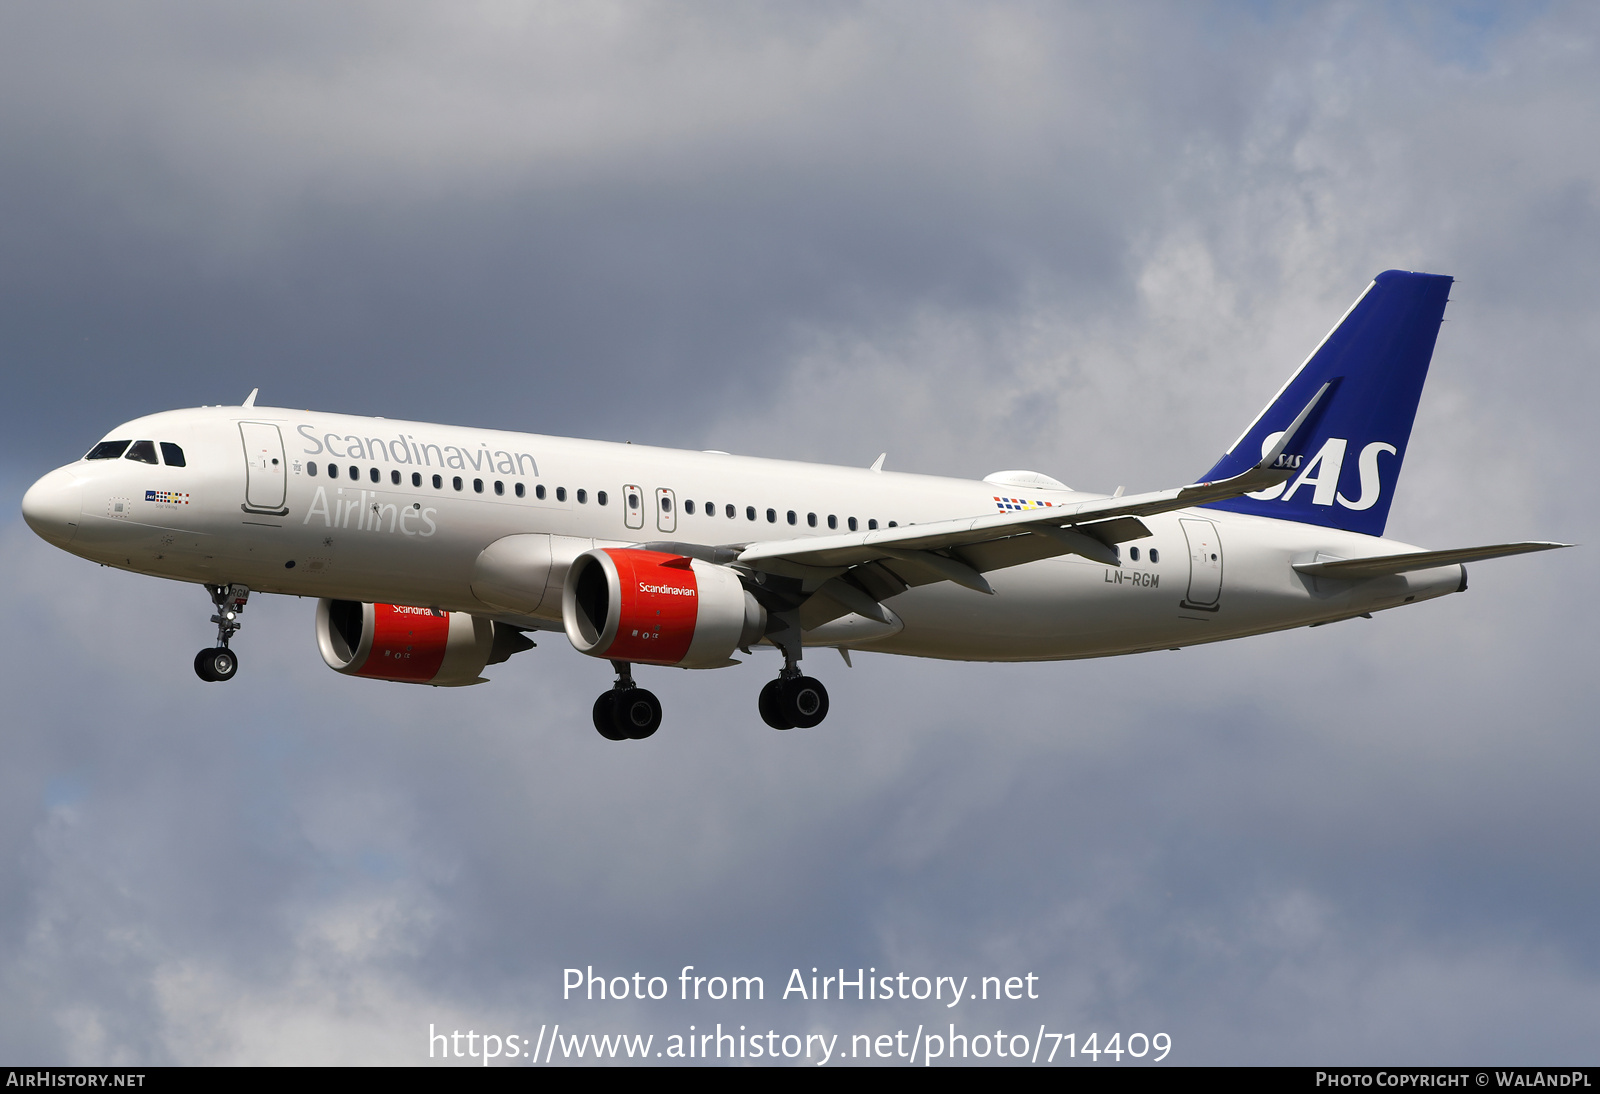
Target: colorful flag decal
point(1021, 505)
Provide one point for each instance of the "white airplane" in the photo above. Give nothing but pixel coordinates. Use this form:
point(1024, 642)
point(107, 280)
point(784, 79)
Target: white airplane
point(433, 549)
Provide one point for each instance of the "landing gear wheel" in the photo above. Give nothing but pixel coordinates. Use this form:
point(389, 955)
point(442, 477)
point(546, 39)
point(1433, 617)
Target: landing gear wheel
point(803, 701)
point(771, 705)
point(216, 665)
point(605, 716)
point(637, 713)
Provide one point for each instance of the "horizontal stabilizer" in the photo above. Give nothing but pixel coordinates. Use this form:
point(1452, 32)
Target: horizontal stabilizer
point(1355, 568)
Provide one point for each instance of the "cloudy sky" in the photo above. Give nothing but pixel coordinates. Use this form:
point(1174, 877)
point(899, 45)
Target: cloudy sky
point(1087, 239)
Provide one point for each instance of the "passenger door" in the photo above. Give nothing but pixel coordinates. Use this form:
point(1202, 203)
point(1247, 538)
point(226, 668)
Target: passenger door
point(266, 479)
point(1205, 565)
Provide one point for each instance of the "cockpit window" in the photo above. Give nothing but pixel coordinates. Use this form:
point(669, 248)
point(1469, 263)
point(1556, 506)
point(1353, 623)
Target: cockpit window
point(107, 450)
point(171, 454)
point(143, 451)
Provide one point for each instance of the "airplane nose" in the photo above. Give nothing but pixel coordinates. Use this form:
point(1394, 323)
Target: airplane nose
point(53, 506)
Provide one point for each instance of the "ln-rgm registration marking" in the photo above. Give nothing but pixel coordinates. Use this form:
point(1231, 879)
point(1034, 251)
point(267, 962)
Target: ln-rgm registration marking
point(1141, 578)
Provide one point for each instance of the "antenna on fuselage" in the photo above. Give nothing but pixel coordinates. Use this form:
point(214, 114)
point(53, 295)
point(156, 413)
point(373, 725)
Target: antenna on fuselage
point(250, 399)
point(877, 464)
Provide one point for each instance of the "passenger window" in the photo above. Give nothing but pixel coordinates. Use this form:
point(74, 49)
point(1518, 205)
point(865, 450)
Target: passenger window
point(499, 488)
point(456, 482)
point(811, 519)
point(394, 477)
point(688, 507)
point(416, 478)
point(107, 450)
point(171, 454)
point(729, 512)
point(521, 492)
point(872, 524)
point(772, 516)
point(143, 451)
point(750, 512)
point(892, 524)
point(372, 473)
point(633, 501)
point(666, 504)
point(600, 497)
point(561, 493)
point(1133, 554)
point(477, 486)
point(538, 491)
point(355, 473)
point(438, 482)
point(583, 497)
point(852, 523)
point(311, 469)
point(1155, 555)
point(833, 521)
point(791, 516)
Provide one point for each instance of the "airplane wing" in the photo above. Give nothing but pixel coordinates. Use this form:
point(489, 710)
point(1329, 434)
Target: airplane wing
point(1109, 520)
point(854, 572)
point(833, 576)
point(1383, 565)
point(1087, 528)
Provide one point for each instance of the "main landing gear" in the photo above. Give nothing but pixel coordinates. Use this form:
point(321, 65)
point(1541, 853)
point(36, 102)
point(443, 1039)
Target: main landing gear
point(627, 711)
point(793, 702)
point(220, 663)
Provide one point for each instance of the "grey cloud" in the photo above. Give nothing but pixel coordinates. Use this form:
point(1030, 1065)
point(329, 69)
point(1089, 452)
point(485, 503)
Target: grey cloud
point(1088, 241)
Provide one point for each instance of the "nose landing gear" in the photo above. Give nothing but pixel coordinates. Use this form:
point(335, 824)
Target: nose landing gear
point(219, 663)
point(627, 711)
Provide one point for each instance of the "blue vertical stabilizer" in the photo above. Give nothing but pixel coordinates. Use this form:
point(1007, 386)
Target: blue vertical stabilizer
point(1346, 459)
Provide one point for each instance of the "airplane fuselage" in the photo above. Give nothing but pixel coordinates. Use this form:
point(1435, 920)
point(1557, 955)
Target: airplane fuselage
point(378, 510)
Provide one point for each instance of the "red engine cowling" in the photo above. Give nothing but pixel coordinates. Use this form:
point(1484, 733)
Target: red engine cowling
point(653, 608)
point(408, 645)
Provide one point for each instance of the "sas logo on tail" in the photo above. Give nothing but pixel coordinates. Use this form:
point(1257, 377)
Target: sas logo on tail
point(1321, 473)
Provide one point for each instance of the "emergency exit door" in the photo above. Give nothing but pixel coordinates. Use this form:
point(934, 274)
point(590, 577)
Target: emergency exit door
point(666, 511)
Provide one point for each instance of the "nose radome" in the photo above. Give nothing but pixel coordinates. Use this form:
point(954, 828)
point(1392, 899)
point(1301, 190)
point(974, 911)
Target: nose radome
point(53, 506)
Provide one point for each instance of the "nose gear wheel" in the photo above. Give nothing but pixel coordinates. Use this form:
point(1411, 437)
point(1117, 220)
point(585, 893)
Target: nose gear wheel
point(219, 664)
point(216, 665)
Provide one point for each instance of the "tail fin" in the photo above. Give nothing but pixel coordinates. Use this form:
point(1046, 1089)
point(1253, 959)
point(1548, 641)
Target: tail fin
point(1347, 455)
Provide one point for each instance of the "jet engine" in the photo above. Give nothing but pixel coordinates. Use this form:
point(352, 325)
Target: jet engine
point(412, 645)
point(654, 608)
